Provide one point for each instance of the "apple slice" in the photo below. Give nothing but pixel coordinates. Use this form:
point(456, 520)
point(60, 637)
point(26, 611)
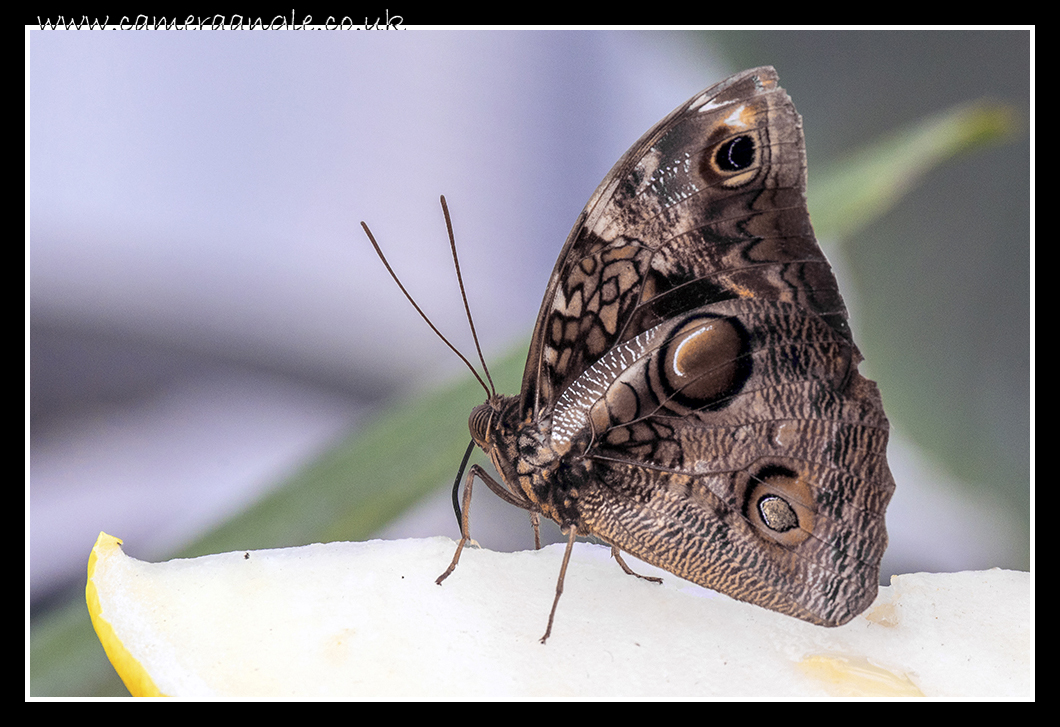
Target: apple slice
point(366, 621)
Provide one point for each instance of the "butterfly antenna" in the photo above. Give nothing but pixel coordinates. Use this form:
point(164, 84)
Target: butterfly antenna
point(463, 295)
point(423, 315)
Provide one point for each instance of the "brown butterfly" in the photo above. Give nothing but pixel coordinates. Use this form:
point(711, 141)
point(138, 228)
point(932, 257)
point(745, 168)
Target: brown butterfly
point(692, 394)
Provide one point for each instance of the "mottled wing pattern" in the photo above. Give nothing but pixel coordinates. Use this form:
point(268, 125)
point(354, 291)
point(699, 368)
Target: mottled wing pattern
point(693, 348)
point(671, 228)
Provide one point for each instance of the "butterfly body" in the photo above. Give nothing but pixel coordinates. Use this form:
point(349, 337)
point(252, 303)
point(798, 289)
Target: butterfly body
point(692, 394)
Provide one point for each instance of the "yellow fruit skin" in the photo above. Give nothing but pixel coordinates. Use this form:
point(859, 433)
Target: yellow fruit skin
point(137, 681)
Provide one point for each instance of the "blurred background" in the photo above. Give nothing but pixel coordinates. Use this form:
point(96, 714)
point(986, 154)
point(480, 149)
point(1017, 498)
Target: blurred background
point(205, 314)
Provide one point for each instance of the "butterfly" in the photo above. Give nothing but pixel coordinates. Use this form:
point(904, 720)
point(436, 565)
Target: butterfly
point(691, 395)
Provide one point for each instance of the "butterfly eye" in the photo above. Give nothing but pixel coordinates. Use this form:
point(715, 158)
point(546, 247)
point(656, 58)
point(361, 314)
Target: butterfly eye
point(479, 422)
point(735, 155)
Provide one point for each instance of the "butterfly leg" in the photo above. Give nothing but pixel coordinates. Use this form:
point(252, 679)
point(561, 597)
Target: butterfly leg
point(465, 516)
point(535, 520)
point(559, 583)
point(618, 557)
point(465, 527)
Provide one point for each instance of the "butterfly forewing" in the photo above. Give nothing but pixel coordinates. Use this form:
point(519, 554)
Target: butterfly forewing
point(708, 205)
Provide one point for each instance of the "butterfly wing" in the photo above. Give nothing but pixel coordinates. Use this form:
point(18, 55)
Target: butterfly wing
point(693, 340)
point(709, 204)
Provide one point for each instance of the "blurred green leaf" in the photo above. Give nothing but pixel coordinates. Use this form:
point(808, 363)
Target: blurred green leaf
point(369, 479)
point(382, 469)
point(847, 195)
